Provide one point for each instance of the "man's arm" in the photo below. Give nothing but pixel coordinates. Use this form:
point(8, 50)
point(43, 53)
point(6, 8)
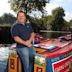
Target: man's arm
point(21, 41)
point(32, 37)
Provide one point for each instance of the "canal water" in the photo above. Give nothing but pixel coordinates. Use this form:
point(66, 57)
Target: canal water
point(4, 54)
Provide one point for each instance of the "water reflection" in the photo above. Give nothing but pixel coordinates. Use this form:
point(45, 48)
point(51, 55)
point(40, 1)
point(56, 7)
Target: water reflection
point(4, 54)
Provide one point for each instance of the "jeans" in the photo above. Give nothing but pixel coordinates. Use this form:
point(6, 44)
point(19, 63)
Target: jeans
point(27, 57)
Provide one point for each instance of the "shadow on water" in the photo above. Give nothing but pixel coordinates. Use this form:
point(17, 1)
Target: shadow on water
point(5, 35)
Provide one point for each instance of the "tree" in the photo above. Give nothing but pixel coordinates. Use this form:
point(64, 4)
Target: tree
point(43, 23)
point(58, 21)
point(70, 23)
point(48, 20)
point(28, 5)
point(8, 18)
point(1, 21)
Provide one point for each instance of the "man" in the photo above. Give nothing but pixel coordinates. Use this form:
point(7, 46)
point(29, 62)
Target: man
point(23, 35)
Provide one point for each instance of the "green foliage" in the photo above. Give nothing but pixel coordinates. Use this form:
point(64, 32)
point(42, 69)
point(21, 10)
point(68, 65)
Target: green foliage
point(7, 19)
point(27, 6)
point(58, 12)
point(58, 21)
point(70, 23)
point(42, 23)
point(1, 21)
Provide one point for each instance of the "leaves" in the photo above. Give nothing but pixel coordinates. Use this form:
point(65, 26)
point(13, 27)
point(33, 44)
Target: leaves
point(27, 5)
point(7, 19)
point(58, 21)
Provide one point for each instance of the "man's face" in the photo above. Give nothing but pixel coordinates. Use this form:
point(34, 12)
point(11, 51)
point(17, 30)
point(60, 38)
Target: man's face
point(21, 18)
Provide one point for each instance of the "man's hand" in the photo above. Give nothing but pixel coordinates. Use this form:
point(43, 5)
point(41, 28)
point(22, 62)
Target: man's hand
point(21, 41)
point(28, 43)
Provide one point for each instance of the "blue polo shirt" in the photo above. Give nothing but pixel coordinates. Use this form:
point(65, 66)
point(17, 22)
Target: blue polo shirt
point(22, 31)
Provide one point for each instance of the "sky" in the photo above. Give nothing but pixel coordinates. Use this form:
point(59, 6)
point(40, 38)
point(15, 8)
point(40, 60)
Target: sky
point(5, 7)
point(65, 4)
